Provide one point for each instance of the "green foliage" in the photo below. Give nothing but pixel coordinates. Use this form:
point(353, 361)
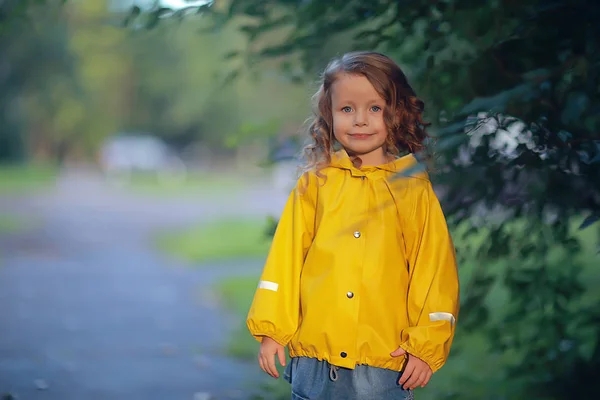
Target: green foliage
point(545, 320)
point(17, 10)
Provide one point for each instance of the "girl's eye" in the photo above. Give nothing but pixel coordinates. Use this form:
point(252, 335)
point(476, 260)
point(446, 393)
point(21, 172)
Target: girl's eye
point(375, 108)
point(347, 109)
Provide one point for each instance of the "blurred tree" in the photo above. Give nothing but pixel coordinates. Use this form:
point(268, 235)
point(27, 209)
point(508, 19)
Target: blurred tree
point(59, 99)
point(94, 78)
point(180, 91)
point(101, 55)
point(15, 69)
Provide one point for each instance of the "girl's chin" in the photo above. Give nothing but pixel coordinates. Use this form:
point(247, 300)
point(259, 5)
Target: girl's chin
point(358, 150)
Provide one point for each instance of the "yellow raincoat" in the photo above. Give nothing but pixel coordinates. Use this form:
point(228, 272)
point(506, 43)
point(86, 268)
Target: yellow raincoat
point(361, 264)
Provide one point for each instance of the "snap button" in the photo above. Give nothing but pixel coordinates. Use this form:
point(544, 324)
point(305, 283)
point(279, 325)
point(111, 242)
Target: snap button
point(343, 354)
point(350, 295)
point(363, 177)
point(357, 234)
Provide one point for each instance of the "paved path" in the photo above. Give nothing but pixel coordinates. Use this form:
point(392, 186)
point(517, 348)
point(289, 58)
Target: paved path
point(90, 311)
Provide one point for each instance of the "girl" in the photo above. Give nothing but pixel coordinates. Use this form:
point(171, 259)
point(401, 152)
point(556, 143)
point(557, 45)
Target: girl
point(361, 281)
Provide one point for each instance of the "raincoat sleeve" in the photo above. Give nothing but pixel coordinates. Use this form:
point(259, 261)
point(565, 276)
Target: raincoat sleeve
point(275, 309)
point(433, 294)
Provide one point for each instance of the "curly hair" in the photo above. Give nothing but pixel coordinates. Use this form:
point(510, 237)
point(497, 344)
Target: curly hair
point(402, 114)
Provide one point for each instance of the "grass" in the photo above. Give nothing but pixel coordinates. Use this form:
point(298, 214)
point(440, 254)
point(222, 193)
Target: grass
point(218, 240)
point(236, 294)
point(9, 224)
point(194, 183)
point(15, 179)
point(473, 347)
point(226, 239)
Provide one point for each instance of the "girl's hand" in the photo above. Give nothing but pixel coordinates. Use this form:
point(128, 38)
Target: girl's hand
point(266, 356)
point(416, 372)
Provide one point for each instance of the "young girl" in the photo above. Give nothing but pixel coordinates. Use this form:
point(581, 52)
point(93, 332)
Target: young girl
point(361, 281)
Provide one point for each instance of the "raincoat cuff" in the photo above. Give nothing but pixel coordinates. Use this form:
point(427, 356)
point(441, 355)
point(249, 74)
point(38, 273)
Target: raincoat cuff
point(434, 362)
point(260, 330)
point(277, 338)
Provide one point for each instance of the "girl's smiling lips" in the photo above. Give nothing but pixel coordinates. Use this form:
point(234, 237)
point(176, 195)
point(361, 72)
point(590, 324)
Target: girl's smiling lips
point(360, 135)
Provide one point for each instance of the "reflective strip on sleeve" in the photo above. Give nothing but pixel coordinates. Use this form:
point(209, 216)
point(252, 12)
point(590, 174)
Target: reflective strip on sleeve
point(268, 285)
point(442, 316)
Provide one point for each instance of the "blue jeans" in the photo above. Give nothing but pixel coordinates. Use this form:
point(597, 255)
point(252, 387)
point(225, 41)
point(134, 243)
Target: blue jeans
point(312, 379)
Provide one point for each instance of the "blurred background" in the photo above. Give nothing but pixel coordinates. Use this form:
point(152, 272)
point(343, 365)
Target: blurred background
point(148, 147)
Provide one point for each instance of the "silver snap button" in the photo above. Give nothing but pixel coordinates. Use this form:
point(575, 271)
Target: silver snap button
point(357, 234)
point(350, 295)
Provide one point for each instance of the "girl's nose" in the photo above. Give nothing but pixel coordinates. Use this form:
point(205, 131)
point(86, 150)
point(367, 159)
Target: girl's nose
point(360, 119)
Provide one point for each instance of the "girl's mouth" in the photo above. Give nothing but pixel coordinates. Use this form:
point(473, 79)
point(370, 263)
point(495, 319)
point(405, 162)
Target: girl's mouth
point(360, 135)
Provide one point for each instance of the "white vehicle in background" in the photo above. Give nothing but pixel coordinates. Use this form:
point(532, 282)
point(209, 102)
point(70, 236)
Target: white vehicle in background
point(132, 9)
point(125, 155)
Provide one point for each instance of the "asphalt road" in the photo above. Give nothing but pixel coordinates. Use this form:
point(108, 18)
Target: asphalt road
point(89, 310)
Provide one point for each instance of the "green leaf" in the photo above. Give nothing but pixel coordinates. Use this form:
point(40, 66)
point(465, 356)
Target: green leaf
point(430, 61)
point(565, 136)
point(450, 142)
point(590, 220)
point(153, 19)
point(230, 55)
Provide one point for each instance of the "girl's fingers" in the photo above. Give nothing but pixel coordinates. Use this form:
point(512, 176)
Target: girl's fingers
point(271, 366)
point(281, 355)
point(410, 383)
point(420, 380)
point(427, 378)
point(408, 370)
point(264, 364)
point(261, 363)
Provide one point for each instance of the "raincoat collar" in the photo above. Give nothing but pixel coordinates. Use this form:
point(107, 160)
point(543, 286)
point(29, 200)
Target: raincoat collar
point(341, 159)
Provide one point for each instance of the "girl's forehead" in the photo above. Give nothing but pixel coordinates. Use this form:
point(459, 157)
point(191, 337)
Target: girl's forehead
point(353, 87)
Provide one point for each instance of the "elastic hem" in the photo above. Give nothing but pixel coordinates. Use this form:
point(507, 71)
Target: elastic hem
point(391, 363)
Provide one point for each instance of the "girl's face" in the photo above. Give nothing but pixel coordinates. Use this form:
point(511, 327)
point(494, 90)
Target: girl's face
point(358, 122)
